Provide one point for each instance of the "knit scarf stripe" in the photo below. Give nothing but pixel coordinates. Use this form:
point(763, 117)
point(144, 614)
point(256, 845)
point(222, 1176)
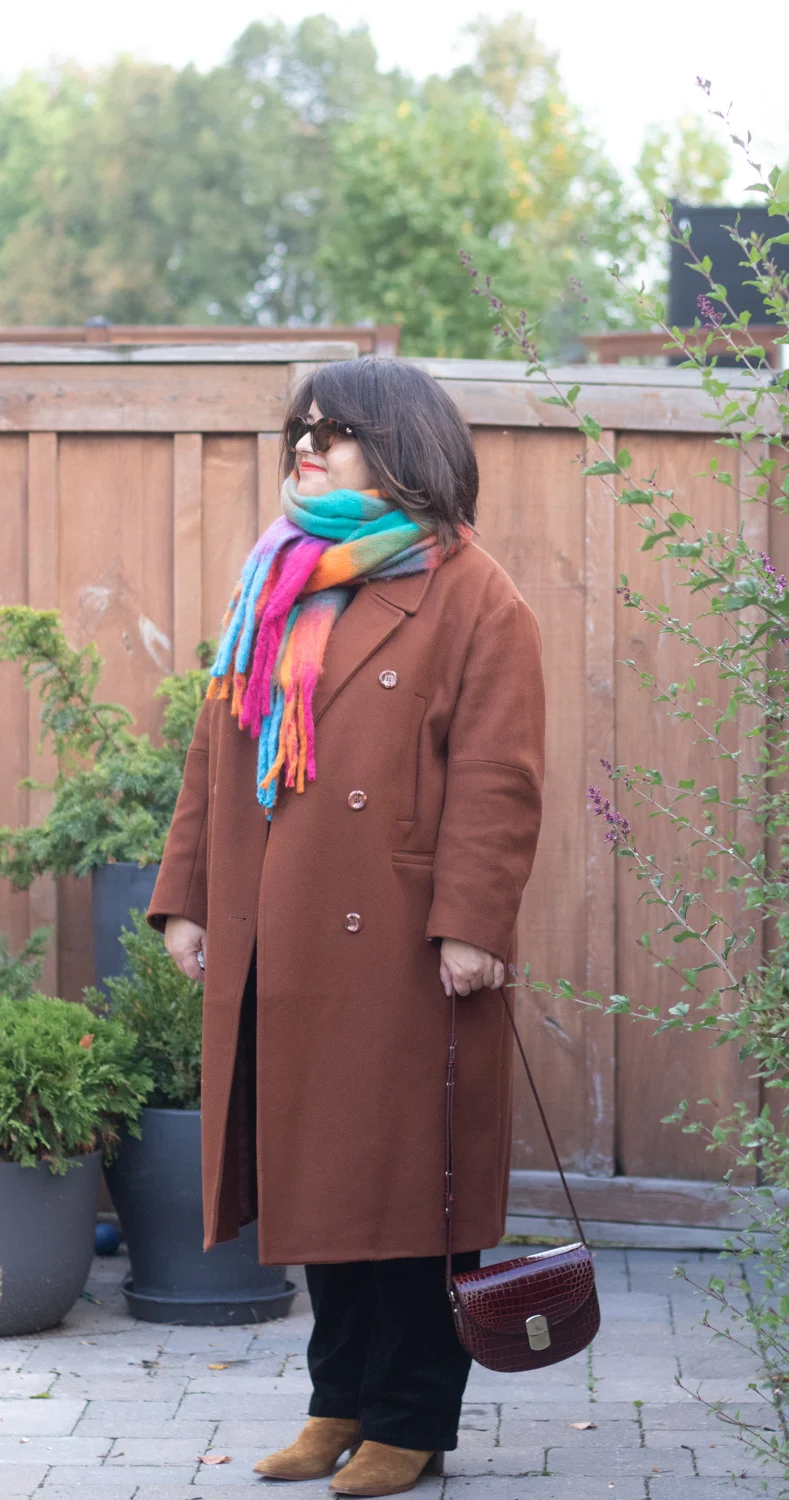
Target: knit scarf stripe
point(293, 588)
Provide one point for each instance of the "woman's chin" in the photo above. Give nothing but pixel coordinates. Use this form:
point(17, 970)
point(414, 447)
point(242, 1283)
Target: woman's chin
point(312, 484)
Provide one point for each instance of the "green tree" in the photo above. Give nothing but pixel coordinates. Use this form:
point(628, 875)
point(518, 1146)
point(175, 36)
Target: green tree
point(687, 160)
point(153, 195)
point(495, 160)
point(297, 182)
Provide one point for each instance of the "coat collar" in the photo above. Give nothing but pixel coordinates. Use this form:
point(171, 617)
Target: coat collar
point(372, 616)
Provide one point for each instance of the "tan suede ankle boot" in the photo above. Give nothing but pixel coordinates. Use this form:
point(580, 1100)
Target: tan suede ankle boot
point(379, 1469)
point(315, 1451)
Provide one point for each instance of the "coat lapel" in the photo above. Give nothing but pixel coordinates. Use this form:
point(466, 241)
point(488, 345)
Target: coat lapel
point(370, 619)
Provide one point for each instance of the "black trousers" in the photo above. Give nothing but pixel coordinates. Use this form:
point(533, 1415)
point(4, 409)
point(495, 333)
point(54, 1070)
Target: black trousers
point(384, 1349)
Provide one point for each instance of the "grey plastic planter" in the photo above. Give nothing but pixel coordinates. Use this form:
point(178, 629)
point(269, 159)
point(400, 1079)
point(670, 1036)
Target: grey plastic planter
point(156, 1189)
point(116, 889)
point(47, 1225)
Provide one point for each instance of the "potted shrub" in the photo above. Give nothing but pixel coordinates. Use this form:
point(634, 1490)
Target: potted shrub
point(115, 791)
point(154, 1179)
point(68, 1079)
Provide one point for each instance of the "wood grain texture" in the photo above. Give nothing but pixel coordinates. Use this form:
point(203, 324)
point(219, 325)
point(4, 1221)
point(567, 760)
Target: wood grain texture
point(600, 728)
point(531, 519)
point(268, 480)
point(128, 398)
point(754, 518)
point(42, 570)
point(655, 1199)
point(653, 408)
point(115, 587)
point(187, 548)
point(14, 905)
point(230, 520)
point(655, 1072)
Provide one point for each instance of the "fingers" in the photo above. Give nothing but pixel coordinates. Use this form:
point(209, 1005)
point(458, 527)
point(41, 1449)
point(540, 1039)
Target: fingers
point(190, 967)
point(183, 941)
point(485, 974)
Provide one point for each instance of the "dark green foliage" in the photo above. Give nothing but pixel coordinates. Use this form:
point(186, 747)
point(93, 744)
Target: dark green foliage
point(115, 791)
point(68, 1081)
point(19, 976)
point(162, 1010)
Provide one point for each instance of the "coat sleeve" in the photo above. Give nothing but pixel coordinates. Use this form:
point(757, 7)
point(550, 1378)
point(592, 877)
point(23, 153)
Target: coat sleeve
point(495, 761)
point(181, 888)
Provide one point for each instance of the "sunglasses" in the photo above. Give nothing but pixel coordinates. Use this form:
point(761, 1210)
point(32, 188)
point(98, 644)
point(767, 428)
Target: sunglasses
point(322, 433)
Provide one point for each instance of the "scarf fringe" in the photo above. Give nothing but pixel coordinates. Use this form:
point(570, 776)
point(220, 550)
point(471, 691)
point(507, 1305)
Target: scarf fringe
point(294, 585)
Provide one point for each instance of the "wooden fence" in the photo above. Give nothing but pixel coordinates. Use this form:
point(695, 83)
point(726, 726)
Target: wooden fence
point(133, 483)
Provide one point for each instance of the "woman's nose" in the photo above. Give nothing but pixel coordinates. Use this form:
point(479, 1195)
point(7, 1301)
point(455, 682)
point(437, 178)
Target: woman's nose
point(304, 445)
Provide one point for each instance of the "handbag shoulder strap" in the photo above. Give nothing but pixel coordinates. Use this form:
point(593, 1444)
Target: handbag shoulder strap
point(448, 1164)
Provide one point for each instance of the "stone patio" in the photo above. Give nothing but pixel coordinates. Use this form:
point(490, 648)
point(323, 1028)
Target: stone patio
point(107, 1408)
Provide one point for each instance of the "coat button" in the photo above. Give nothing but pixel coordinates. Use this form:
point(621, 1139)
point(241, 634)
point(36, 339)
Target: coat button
point(387, 679)
point(353, 921)
point(356, 800)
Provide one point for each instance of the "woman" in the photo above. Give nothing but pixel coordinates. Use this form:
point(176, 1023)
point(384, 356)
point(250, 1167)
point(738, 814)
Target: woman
point(358, 818)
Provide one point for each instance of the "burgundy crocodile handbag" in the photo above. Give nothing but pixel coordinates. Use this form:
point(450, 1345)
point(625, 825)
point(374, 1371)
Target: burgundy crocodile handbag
point(529, 1312)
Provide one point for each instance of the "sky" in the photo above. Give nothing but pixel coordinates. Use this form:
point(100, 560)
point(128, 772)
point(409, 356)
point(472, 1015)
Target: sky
point(627, 65)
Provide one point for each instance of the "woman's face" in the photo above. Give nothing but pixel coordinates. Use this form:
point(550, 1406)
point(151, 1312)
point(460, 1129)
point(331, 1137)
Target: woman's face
point(342, 468)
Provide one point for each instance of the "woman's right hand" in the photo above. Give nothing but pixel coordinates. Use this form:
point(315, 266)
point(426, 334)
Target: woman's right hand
point(183, 940)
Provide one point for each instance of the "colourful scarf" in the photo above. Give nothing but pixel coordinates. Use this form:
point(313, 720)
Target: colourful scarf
point(293, 588)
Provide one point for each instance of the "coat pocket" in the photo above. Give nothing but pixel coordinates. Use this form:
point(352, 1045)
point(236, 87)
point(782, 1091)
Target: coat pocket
point(410, 776)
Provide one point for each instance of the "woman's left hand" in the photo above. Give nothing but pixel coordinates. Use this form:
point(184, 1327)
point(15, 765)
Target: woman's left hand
point(469, 968)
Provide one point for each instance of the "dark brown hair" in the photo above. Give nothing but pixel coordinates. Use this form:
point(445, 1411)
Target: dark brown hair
point(415, 442)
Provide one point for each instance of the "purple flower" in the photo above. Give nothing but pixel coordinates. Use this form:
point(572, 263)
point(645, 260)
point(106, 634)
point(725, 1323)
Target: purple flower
point(712, 319)
point(619, 828)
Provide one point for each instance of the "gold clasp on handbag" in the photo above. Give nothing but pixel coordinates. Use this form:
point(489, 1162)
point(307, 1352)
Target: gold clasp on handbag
point(537, 1330)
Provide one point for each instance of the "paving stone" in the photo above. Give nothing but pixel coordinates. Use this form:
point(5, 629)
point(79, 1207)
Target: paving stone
point(130, 1413)
point(611, 1459)
point(52, 1450)
point(197, 1432)
point(86, 1484)
point(136, 1387)
point(690, 1415)
point(14, 1352)
point(231, 1343)
point(27, 1418)
point(20, 1479)
point(152, 1451)
point(575, 1410)
point(16, 1383)
point(218, 1408)
point(109, 1484)
point(548, 1488)
point(519, 1429)
point(235, 1488)
point(667, 1487)
point(251, 1378)
point(267, 1436)
point(485, 1459)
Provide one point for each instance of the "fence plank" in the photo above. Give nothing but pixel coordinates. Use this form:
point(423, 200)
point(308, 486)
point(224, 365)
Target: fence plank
point(532, 520)
point(187, 547)
point(42, 574)
point(655, 1072)
point(125, 398)
point(230, 520)
point(268, 480)
point(14, 916)
point(599, 1030)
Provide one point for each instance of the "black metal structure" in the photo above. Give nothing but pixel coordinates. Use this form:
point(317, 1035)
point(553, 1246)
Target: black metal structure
point(710, 225)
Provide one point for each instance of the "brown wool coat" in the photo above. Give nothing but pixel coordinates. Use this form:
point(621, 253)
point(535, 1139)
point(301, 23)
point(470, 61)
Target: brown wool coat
point(352, 1019)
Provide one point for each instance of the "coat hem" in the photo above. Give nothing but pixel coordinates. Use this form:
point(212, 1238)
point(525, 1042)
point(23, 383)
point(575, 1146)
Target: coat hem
point(294, 1255)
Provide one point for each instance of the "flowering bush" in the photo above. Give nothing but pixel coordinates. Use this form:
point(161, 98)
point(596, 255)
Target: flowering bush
point(711, 908)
